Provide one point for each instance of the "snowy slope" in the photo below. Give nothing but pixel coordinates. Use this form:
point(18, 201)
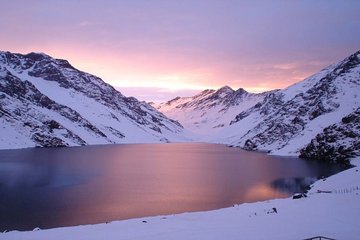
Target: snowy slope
point(338, 142)
point(47, 102)
point(209, 111)
point(287, 120)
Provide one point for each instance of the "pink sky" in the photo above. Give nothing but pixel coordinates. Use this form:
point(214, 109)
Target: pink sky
point(157, 49)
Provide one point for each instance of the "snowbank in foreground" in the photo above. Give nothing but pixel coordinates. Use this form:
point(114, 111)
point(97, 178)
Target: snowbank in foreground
point(334, 215)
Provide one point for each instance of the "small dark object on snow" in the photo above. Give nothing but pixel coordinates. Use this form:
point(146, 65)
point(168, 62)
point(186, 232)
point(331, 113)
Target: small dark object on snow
point(319, 238)
point(270, 211)
point(299, 195)
point(144, 221)
point(321, 191)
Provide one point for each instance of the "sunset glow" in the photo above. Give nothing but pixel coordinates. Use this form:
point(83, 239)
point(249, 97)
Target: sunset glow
point(177, 46)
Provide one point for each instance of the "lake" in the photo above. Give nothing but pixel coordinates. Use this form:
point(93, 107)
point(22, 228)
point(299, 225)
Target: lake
point(55, 187)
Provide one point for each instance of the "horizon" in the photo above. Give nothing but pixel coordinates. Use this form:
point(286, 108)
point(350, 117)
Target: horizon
point(147, 93)
point(163, 49)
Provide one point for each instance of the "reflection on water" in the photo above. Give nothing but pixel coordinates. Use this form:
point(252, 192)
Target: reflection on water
point(263, 192)
point(293, 185)
point(70, 186)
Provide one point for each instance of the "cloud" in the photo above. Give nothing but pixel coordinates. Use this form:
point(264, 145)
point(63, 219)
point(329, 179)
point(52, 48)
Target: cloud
point(257, 45)
point(285, 66)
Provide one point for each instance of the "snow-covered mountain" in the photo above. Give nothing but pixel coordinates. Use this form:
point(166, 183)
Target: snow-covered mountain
point(310, 118)
point(47, 102)
point(209, 111)
point(312, 111)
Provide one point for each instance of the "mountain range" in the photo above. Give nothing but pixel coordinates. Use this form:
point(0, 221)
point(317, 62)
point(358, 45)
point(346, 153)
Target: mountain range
point(47, 102)
point(210, 110)
point(315, 118)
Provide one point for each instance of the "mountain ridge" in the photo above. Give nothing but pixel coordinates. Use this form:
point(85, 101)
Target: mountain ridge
point(286, 121)
point(210, 109)
point(334, 89)
point(47, 102)
point(45, 90)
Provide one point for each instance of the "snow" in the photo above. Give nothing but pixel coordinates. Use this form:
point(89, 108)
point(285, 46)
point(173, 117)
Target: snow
point(347, 100)
point(343, 88)
point(206, 113)
point(331, 208)
point(10, 138)
point(118, 121)
point(97, 113)
point(313, 128)
point(334, 215)
point(206, 116)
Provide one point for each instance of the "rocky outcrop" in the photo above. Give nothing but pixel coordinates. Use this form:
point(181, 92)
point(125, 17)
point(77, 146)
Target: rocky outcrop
point(337, 143)
point(286, 120)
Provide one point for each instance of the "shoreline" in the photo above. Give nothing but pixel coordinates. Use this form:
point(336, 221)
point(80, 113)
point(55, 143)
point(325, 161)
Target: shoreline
point(333, 212)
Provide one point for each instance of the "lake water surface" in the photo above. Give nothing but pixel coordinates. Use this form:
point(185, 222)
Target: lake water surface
point(83, 185)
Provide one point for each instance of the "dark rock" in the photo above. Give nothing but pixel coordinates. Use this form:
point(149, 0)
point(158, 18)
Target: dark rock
point(299, 195)
point(48, 141)
point(52, 124)
point(249, 145)
point(327, 146)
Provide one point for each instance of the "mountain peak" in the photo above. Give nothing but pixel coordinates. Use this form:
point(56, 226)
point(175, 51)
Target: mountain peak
point(225, 89)
point(223, 92)
point(37, 55)
point(241, 91)
point(49, 103)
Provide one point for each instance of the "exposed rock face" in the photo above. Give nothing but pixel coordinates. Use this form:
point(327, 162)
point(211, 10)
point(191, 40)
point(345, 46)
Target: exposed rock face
point(285, 121)
point(337, 143)
point(47, 102)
